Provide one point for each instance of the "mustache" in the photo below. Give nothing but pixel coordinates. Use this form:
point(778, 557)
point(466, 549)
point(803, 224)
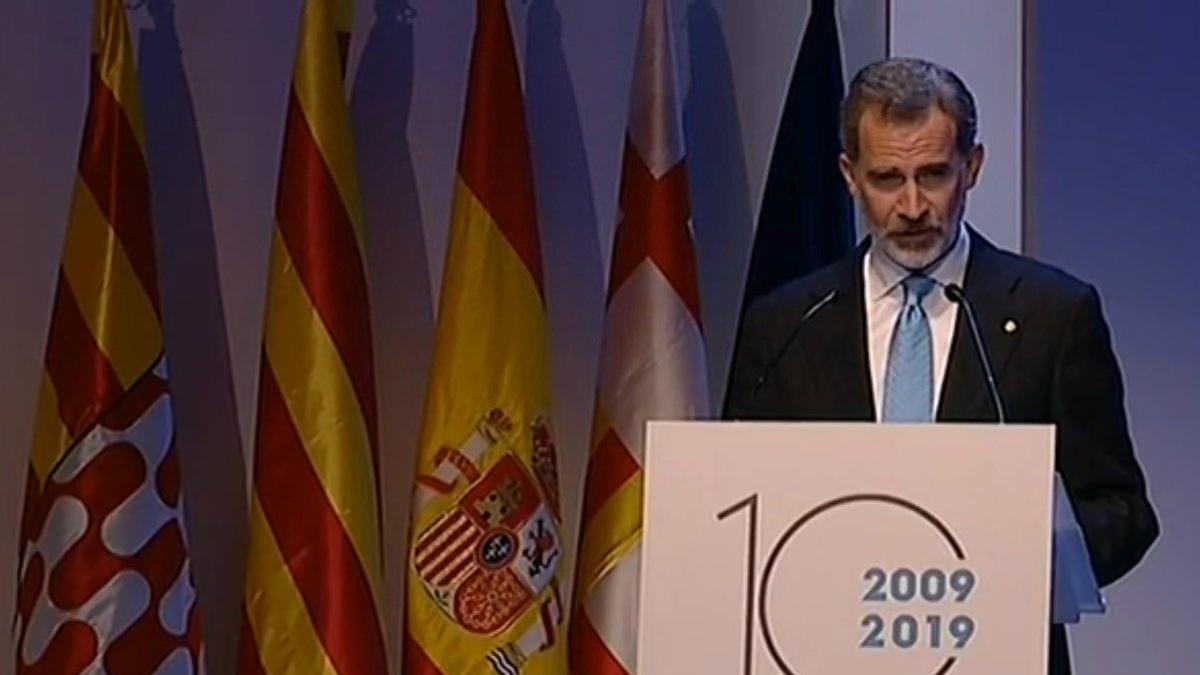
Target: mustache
point(913, 227)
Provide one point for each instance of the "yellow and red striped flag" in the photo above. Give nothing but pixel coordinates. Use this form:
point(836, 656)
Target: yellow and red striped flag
point(485, 548)
point(652, 362)
point(314, 584)
point(105, 580)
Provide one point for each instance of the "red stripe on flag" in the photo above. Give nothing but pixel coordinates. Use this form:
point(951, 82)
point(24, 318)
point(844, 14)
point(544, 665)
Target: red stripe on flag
point(609, 467)
point(449, 551)
point(320, 239)
point(589, 654)
point(111, 164)
point(453, 576)
point(84, 380)
point(438, 541)
point(320, 556)
point(494, 159)
point(654, 224)
point(416, 661)
point(457, 556)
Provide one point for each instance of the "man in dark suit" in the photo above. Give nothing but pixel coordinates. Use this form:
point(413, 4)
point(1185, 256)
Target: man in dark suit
point(876, 337)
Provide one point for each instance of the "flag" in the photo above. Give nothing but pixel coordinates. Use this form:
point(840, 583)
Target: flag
point(485, 543)
point(652, 363)
point(104, 580)
point(807, 219)
point(314, 588)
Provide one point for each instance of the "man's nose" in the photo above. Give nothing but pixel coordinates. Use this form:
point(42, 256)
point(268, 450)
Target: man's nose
point(912, 204)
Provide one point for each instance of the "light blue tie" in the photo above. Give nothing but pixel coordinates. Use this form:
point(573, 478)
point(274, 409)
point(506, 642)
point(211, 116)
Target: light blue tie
point(908, 387)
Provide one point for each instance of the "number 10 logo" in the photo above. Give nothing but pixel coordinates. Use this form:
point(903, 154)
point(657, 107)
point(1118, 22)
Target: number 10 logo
point(882, 590)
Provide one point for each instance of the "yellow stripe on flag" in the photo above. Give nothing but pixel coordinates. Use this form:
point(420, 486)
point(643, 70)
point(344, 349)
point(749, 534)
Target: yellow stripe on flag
point(317, 76)
point(491, 334)
point(323, 407)
point(50, 437)
point(112, 46)
point(111, 298)
point(286, 638)
point(611, 533)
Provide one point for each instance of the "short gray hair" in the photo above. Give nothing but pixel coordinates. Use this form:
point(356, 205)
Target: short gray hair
point(905, 89)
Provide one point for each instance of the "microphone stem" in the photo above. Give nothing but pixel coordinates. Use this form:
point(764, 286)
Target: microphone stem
point(977, 338)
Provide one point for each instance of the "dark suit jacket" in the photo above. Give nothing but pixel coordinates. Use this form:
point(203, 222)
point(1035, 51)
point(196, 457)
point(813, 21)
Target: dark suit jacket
point(1057, 368)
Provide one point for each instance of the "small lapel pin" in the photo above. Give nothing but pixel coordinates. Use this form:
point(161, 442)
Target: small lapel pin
point(1010, 326)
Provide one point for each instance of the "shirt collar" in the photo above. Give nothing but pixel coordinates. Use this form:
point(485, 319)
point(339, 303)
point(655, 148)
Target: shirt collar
point(884, 275)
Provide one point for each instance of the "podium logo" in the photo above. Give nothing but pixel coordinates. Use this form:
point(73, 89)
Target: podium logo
point(911, 609)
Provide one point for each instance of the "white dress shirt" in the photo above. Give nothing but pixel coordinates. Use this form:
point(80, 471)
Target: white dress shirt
point(884, 293)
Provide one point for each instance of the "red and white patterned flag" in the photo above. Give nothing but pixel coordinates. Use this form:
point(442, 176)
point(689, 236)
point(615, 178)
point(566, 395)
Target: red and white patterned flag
point(104, 580)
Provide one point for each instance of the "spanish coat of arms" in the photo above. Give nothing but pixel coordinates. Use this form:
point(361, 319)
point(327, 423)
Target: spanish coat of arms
point(488, 558)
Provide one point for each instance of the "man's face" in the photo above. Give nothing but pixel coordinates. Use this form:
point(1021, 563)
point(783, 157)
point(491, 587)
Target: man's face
point(912, 183)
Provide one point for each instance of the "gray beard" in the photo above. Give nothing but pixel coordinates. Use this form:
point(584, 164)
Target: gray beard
point(916, 260)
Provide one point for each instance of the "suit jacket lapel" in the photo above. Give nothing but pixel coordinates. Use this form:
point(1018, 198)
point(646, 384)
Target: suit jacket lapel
point(841, 334)
point(991, 287)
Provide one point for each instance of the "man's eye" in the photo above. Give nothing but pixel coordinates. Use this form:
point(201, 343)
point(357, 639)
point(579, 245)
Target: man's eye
point(887, 181)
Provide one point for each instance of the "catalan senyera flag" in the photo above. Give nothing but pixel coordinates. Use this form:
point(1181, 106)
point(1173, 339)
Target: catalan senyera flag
point(104, 575)
point(485, 547)
point(314, 589)
point(652, 359)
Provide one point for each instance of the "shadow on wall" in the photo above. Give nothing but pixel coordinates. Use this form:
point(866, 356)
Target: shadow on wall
point(722, 212)
point(397, 270)
point(574, 268)
point(206, 427)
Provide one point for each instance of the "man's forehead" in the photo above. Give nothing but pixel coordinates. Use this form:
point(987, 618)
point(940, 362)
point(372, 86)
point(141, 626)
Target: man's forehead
point(929, 134)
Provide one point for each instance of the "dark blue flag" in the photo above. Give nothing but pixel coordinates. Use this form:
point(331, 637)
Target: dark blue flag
point(807, 217)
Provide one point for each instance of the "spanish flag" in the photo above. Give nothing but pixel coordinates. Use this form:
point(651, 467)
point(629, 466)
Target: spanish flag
point(313, 598)
point(485, 549)
point(652, 363)
point(104, 575)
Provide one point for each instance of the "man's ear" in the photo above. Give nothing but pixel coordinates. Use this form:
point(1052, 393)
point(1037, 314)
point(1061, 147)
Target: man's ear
point(974, 164)
point(847, 167)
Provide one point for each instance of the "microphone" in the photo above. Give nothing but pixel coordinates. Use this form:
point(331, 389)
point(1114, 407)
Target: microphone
point(955, 294)
point(782, 351)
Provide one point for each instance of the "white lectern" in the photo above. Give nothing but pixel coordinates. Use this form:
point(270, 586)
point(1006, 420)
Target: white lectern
point(846, 549)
